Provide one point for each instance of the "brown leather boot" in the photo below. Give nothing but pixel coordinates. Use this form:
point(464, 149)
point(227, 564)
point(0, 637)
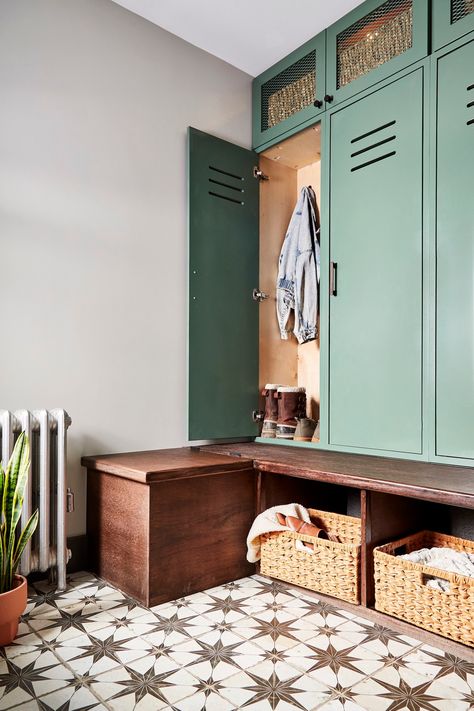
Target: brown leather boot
point(271, 410)
point(291, 406)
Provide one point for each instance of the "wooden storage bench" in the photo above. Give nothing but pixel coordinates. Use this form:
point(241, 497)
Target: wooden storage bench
point(164, 524)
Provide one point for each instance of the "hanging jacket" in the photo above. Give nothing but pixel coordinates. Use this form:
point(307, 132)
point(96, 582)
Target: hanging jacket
point(298, 270)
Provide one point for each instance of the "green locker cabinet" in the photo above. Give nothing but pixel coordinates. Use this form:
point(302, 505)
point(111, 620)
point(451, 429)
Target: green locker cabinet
point(451, 19)
point(290, 93)
point(223, 271)
point(375, 312)
point(455, 253)
point(373, 42)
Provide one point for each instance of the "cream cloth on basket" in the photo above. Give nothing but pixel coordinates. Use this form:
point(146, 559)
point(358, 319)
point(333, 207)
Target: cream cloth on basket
point(267, 522)
point(444, 559)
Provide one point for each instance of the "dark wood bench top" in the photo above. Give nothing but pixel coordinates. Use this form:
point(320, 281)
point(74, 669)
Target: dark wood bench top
point(443, 483)
point(163, 464)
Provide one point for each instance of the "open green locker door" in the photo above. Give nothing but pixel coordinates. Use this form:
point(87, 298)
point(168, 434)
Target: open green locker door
point(223, 271)
point(376, 221)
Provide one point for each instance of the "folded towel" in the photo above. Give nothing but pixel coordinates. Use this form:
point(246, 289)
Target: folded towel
point(267, 522)
point(444, 559)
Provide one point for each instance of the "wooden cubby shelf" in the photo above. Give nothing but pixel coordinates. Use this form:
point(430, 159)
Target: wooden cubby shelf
point(392, 497)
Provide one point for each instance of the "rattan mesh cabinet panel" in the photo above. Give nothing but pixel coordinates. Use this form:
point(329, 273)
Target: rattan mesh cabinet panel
point(372, 42)
point(290, 93)
point(461, 9)
point(451, 19)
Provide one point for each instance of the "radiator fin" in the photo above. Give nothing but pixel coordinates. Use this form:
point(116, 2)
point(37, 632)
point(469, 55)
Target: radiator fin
point(46, 491)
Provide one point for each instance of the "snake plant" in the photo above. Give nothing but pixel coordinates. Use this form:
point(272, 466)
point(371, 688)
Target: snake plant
point(13, 482)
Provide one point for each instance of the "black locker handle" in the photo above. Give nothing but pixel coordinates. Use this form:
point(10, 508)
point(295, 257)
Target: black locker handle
point(333, 278)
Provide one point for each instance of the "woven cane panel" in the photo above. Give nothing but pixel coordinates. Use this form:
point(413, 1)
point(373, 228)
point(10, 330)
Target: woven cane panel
point(290, 91)
point(460, 9)
point(375, 39)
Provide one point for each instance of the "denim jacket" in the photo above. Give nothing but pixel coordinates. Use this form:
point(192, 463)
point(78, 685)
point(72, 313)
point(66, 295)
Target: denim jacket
point(298, 270)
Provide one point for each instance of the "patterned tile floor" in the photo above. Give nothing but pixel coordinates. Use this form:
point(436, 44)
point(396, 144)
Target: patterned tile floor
point(251, 644)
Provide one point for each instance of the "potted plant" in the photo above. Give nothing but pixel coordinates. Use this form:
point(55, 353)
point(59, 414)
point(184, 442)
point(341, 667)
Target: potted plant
point(13, 588)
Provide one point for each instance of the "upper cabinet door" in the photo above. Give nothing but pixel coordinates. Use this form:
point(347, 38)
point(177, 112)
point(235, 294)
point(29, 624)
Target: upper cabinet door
point(451, 19)
point(290, 93)
point(455, 253)
point(376, 240)
point(223, 271)
point(372, 42)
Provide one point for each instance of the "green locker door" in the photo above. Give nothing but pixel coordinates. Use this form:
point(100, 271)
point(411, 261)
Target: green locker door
point(375, 348)
point(223, 271)
point(455, 254)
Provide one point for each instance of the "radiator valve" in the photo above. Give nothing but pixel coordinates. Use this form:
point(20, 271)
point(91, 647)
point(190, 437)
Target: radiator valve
point(69, 500)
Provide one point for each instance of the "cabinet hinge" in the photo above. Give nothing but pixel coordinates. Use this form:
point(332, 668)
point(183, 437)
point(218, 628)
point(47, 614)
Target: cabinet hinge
point(258, 295)
point(259, 174)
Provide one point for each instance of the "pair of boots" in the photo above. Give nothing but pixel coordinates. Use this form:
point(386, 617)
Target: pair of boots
point(285, 414)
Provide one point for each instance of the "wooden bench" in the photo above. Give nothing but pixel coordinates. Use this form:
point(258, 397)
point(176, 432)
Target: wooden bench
point(167, 523)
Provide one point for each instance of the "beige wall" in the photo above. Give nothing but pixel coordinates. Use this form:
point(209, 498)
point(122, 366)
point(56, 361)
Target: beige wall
point(95, 103)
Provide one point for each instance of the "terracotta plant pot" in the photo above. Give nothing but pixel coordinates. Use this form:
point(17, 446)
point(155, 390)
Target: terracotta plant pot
point(12, 605)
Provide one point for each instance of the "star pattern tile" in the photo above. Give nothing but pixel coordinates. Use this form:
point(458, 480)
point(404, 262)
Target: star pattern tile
point(274, 690)
point(252, 644)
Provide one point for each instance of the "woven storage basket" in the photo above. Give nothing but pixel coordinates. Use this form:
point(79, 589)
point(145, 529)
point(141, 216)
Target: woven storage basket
point(401, 590)
point(333, 568)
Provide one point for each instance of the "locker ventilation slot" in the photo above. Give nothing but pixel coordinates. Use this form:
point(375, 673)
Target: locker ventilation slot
point(224, 172)
point(373, 40)
point(374, 160)
point(374, 130)
point(375, 134)
point(374, 145)
point(224, 197)
point(460, 9)
point(225, 185)
point(288, 92)
point(470, 105)
point(220, 179)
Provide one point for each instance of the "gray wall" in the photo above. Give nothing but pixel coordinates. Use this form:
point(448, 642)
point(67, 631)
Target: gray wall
point(95, 103)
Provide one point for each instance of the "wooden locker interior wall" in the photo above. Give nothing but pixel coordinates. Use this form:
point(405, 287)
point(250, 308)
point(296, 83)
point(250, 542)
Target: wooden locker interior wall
point(290, 165)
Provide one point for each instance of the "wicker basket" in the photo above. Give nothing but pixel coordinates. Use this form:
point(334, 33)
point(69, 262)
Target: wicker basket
point(401, 590)
point(333, 568)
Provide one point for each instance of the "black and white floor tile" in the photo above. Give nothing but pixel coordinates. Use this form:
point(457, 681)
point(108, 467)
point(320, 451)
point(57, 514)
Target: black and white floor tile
point(251, 644)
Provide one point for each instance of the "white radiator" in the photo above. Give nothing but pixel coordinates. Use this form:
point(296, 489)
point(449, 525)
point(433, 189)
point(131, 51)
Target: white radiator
point(46, 490)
